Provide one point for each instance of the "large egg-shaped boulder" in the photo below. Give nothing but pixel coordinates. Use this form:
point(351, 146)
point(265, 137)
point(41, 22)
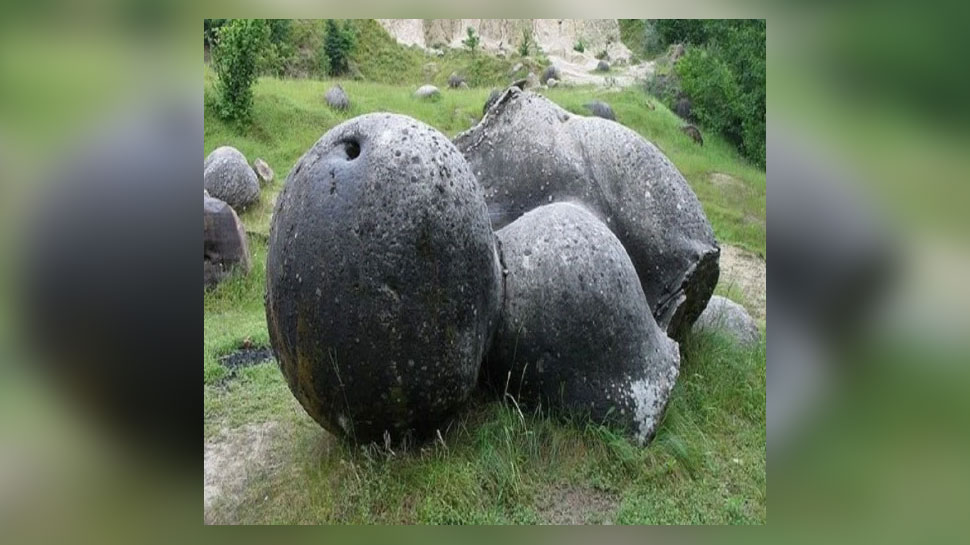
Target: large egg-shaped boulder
point(228, 177)
point(383, 282)
point(576, 334)
point(528, 152)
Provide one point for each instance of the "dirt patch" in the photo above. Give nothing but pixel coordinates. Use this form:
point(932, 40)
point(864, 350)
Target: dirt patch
point(231, 460)
point(245, 357)
point(577, 505)
point(747, 272)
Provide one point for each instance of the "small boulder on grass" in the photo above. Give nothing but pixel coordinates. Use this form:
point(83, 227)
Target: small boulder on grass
point(551, 71)
point(227, 176)
point(224, 243)
point(694, 133)
point(336, 98)
point(552, 82)
point(729, 318)
point(601, 109)
point(263, 171)
point(602, 66)
point(455, 81)
point(427, 92)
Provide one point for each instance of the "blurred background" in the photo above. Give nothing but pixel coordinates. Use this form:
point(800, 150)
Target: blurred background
point(867, 159)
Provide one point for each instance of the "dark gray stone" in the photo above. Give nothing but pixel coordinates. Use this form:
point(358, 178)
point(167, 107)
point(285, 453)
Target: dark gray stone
point(492, 97)
point(528, 152)
point(455, 81)
point(263, 171)
point(725, 316)
point(694, 133)
point(427, 92)
point(383, 283)
point(600, 109)
point(337, 98)
point(227, 176)
point(602, 66)
point(551, 71)
point(224, 243)
point(576, 334)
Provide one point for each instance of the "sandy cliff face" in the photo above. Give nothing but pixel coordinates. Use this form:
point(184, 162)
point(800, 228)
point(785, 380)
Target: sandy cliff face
point(554, 36)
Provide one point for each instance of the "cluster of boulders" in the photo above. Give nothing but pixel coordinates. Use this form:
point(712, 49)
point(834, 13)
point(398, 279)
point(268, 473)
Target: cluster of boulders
point(389, 297)
point(230, 184)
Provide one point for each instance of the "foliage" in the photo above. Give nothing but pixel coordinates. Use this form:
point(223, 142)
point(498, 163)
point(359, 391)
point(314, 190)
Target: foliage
point(210, 30)
point(338, 46)
point(471, 42)
point(527, 43)
point(279, 51)
point(707, 79)
point(580, 46)
point(723, 75)
point(236, 56)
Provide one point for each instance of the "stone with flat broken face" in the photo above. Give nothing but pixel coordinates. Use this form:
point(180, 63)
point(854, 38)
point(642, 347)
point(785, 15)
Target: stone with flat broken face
point(528, 152)
point(382, 279)
point(575, 333)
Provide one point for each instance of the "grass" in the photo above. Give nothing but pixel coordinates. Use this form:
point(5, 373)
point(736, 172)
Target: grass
point(492, 464)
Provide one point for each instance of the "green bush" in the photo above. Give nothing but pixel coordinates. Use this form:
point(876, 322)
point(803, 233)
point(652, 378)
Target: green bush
point(580, 46)
point(236, 58)
point(338, 46)
point(210, 29)
point(714, 94)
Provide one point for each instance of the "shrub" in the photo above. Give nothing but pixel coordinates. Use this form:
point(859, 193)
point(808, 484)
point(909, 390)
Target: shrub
point(338, 46)
point(580, 46)
point(236, 56)
point(210, 30)
point(714, 94)
point(471, 42)
point(278, 55)
point(526, 45)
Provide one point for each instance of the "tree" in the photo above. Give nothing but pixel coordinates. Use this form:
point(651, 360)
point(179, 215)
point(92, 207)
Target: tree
point(236, 58)
point(471, 42)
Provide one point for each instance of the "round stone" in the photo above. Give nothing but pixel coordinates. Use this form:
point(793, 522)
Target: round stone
point(228, 177)
point(383, 282)
point(576, 334)
point(726, 317)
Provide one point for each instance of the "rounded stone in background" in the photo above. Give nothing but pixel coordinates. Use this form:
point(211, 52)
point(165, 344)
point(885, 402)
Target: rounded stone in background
point(725, 316)
point(575, 332)
point(602, 66)
point(455, 81)
point(383, 283)
point(427, 91)
point(337, 98)
point(551, 71)
point(224, 243)
point(528, 152)
point(552, 82)
point(263, 171)
point(227, 176)
point(600, 109)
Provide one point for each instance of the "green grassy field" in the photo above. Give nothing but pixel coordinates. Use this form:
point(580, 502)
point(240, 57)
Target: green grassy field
point(493, 464)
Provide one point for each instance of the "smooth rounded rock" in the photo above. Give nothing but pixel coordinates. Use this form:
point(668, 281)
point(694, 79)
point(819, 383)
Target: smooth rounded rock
point(729, 318)
point(576, 334)
point(224, 243)
point(427, 92)
point(600, 109)
point(551, 71)
point(602, 66)
point(337, 98)
point(383, 283)
point(528, 152)
point(227, 176)
point(455, 81)
point(263, 171)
